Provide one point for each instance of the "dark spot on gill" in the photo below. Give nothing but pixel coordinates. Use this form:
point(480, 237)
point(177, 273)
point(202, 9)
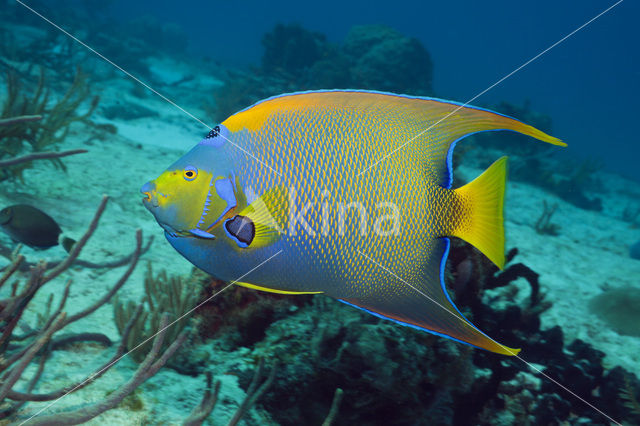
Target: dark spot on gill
point(242, 229)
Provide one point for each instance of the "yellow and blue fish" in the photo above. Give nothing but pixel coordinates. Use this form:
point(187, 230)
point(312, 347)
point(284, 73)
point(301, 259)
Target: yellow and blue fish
point(345, 193)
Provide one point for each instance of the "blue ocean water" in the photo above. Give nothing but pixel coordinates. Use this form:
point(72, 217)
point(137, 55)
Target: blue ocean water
point(589, 83)
point(568, 296)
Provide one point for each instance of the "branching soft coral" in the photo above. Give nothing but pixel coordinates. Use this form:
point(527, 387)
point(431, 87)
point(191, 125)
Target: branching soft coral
point(19, 351)
point(29, 125)
point(163, 294)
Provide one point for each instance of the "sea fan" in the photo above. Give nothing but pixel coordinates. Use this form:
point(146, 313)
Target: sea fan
point(630, 399)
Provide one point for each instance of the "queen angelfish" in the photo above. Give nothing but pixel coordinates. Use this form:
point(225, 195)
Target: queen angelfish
point(346, 193)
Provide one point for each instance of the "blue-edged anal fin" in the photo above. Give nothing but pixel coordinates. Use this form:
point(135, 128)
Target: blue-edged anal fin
point(423, 303)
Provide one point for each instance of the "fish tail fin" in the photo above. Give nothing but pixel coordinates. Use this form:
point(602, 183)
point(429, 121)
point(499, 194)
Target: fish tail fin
point(67, 243)
point(482, 212)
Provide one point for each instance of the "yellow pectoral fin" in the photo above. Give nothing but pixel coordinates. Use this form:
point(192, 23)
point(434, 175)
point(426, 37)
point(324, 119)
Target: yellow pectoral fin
point(273, 290)
point(262, 222)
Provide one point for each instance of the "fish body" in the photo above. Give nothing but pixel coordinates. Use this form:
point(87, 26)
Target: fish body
point(345, 193)
point(30, 226)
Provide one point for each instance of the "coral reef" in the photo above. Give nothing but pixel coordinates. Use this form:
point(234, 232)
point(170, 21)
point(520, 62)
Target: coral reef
point(25, 265)
point(383, 59)
point(128, 111)
point(543, 225)
point(396, 375)
point(326, 346)
point(33, 121)
point(574, 188)
point(471, 276)
point(292, 50)
point(18, 351)
point(537, 163)
point(631, 400)
point(155, 359)
point(57, 52)
point(256, 389)
point(152, 32)
point(146, 35)
point(578, 366)
point(620, 308)
point(372, 57)
point(163, 294)
point(328, 356)
point(239, 314)
point(239, 90)
point(209, 398)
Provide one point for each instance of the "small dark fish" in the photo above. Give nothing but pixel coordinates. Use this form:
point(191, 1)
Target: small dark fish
point(32, 227)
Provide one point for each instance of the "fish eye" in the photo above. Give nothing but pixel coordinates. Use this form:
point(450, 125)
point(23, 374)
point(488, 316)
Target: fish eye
point(6, 215)
point(190, 173)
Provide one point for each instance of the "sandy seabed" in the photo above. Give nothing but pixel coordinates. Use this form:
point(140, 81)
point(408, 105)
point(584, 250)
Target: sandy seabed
point(590, 254)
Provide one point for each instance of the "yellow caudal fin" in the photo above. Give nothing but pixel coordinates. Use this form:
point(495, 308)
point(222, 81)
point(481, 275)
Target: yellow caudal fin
point(482, 218)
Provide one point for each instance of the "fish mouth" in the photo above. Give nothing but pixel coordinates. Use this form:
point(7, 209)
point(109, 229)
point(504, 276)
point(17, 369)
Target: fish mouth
point(151, 199)
point(151, 195)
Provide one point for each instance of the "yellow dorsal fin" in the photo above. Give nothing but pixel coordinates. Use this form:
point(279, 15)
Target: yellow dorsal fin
point(482, 218)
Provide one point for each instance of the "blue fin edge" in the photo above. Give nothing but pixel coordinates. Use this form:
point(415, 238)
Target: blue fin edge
point(443, 263)
point(202, 234)
point(449, 178)
point(407, 324)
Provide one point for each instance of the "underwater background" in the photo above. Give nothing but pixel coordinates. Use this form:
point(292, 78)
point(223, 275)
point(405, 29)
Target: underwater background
point(569, 296)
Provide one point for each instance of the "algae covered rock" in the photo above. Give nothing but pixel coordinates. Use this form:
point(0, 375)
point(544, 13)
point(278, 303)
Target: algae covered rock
point(291, 48)
point(620, 308)
point(372, 57)
point(412, 374)
point(383, 59)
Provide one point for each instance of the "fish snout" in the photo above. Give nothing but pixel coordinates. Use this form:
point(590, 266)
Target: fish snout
point(149, 191)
